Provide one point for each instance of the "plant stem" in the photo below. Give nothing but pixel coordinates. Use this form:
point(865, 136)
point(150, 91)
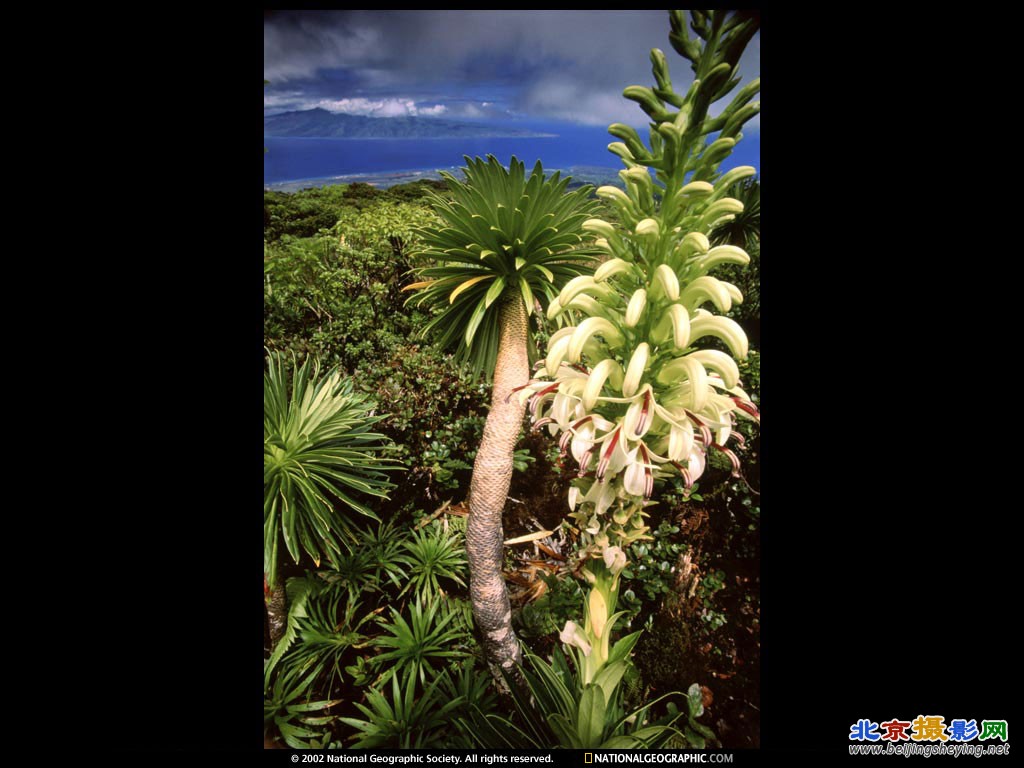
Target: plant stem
point(492, 475)
point(277, 614)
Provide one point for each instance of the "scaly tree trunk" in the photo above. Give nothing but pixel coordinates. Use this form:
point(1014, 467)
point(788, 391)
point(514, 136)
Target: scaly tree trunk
point(492, 474)
point(277, 614)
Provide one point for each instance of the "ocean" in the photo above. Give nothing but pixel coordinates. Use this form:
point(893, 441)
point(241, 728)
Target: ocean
point(299, 159)
point(291, 159)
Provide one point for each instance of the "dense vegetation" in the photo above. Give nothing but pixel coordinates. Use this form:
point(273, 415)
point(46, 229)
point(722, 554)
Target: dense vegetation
point(333, 293)
point(377, 645)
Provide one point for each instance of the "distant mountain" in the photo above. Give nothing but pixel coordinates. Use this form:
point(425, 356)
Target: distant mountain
point(319, 123)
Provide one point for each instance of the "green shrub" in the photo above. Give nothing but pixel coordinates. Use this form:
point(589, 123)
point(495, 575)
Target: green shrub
point(337, 297)
point(288, 709)
point(431, 634)
point(319, 457)
point(434, 558)
point(403, 720)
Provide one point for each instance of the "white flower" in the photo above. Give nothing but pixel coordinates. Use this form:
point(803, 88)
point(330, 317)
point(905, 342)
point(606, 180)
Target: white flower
point(615, 559)
point(573, 635)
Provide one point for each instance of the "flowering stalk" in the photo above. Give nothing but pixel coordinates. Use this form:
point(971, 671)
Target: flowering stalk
point(624, 384)
point(628, 384)
point(595, 658)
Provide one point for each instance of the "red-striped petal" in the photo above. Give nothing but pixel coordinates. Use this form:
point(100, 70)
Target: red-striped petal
point(748, 407)
point(645, 414)
point(687, 480)
point(521, 387)
point(606, 457)
point(705, 433)
point(563, 441)
point(732, 457)
point(585, 462)
point(648, 473)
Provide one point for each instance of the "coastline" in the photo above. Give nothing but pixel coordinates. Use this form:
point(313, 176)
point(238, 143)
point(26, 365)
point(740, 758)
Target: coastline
point(583, 174)
point(381, 179)
point(419, 138)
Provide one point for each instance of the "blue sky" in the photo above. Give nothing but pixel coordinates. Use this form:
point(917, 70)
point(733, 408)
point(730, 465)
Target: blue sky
point(524, 67)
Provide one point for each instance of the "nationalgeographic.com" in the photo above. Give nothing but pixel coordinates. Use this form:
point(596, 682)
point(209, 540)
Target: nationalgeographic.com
point(927, 750)
point(662, 757)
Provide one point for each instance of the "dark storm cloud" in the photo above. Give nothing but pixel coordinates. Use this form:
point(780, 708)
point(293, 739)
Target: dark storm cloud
point(569, 65)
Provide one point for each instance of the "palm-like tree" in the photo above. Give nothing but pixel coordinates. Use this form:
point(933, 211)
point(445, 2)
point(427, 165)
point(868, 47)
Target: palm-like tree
point(506, 243)
point(317, 448)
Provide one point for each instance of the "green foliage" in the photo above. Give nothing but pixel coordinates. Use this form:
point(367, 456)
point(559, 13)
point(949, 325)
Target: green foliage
point(661, 652)
point(355, 571)
point(471, 685)
point(438, 458)
point(309, 211)
point(548, 613)
point(298, 592)
point(437, 417)
point(651, 570)
point(425, 639)
point(697, 734)
point(417, 190)
point(330, 642)
point(522, 459)
point(564, 713)
point(502, 233)
point(334, 293)
point(361, 672)
point(330, 628)
point(384, 545)
point(338, 297)
point(286, 707)
point(709, 585)
point(316, 447)
point(403, 720)
point(431, 554)
point(385, 228)
point(301, 214)
point(369, 563)
point(750, 369)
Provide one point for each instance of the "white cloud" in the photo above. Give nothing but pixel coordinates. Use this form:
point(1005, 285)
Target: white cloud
point(285, 101)
point(380, 107)
point(568, 99)
point(468, 109)
point(384, 107)
point(471, 111)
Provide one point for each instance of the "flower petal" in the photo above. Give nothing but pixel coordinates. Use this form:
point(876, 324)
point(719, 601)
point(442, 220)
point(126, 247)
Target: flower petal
point(572, 635)
point(582, 441)
point(696, 465)
point(633, 479)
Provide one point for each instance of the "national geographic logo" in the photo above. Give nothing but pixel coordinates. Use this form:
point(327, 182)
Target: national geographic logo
point(657, 757)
